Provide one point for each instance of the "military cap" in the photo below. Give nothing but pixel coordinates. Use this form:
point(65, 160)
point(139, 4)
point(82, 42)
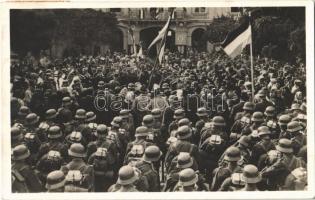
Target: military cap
point(51, 114)
point(142, 131)
point(156, 112)
point(20, 152)
point(102, 129)
point(148, 119)
point(285, 146)
point(284, 119)
point(244, 140)
point(124, 113)
point(16, 133)
point(31, 119)
point(270, 111)
point(249, 106)
point(55, 180)
point(184, 132)
point(187, 177)
point(116, 122)
point(251, 174)
point(263, 130)
point(24, 111)
point(258, 117)
point(232, 154)
point(152, 154)
point(90, 116)
point(54, 132)
point(66, 100)
point(80, 114)
point(183, 122)
point(202, 112)
point(131, 86)
point(77, 150)
point(218, 121)
point(179, 114)
point(184, 160)
point(294, 126)
point(127, 175)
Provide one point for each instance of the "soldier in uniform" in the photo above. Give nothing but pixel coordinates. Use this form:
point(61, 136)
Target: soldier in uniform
point(90, 120)
point(79, 175)
point(127, 123)
point(16, 137)
point(251, 177)
point(23, 177)
point(217, 128)
point(283, 122)
point(296, 180)
point(50, 121)
point(148, 121)
point(298, 139)
point(263, 146)
point(81, 125)
point(251, 130)
point(103, 169)
point(31, 126)
point(127, 177)
point(271, 122)
point(55, 142)
point(187, 181)
point(48, 163)
point(55, 181)
point(178, 115)
point(232, 156)
point(23, 112)
point(151, 155)
point(183, 144)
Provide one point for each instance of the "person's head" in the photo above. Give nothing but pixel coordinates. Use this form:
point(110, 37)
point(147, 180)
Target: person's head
point(90, 117)
point(294, 128)
point(283, 121)
point(116, 123)
point(249, 107)
point(102, 131)
point(270, 112)
point(157, 114)
point(20, 153)
point(16, 135)
point(77, 151)
point(31, 119)
point(124, 114)
point(251, 175)
point(244, 141)
point(54, 133)
point(55, 181)
point(219, 122)
point(202, 113)
point(80, 115)
point(232, 155)
point(51, 114)
point(285, 147)
point(273, 156)
point(179, 114)
point(184, 133)
point(148, 121)
point(257, 118)
point(187, 178)
point(152, 154)
point(142, 132)
point(264, 133)
point(127, 176)
point(184, 160)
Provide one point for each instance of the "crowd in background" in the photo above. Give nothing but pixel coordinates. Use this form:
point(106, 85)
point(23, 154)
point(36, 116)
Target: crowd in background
point(116, 123)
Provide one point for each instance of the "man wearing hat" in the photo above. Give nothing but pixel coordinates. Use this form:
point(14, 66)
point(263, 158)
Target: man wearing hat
point(103, 141)
point(187, 181)
point(127, 123)
point(103, 169)
point(127, 177)
point(251, 176)
point(248, 109)
point(90, 120)
point(68, 104)
point(55, 181)
point(23, 177)
point(263, 102)
point(140, 106)
point(263, 146)
point(168, 113)
point(31, 126)
point(141, 135)
point(74, 137)
point(119, 137)
point(183, 144)
point(47, 163)
point(55, 142)
point(81, 125)
point(283, 122)
point(77, 155)
point(23, 112)
point(257, 120)
point(217, 128)
point(50, 120)
point(148, 121)
point(178, 115)
point(231, 156)
point(294, 129)
point(16, 137)
point(152, 154)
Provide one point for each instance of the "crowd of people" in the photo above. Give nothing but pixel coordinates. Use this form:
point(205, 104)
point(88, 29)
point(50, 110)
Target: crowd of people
point(116, 123)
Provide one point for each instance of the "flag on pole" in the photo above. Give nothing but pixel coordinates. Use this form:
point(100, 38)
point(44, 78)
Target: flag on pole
point(237, 39)
point(162, 33)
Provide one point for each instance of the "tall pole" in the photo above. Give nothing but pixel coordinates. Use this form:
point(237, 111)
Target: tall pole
point(251, 60)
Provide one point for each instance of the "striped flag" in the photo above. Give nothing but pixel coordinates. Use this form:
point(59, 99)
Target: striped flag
point(162, 33)
point(237, 39)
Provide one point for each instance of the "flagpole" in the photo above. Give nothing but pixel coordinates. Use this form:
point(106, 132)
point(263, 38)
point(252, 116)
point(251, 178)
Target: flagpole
point(252, 60)
point(160, 47)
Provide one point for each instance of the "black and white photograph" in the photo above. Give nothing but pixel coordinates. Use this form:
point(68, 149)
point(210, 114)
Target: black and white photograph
point(159, 99)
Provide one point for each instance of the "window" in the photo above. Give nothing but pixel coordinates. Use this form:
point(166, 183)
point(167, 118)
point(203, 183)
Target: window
point(200, 10)
point(115, 9)
point(235, 9)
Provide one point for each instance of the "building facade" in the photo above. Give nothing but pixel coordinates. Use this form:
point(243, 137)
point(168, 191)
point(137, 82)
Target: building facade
point(186, 28)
